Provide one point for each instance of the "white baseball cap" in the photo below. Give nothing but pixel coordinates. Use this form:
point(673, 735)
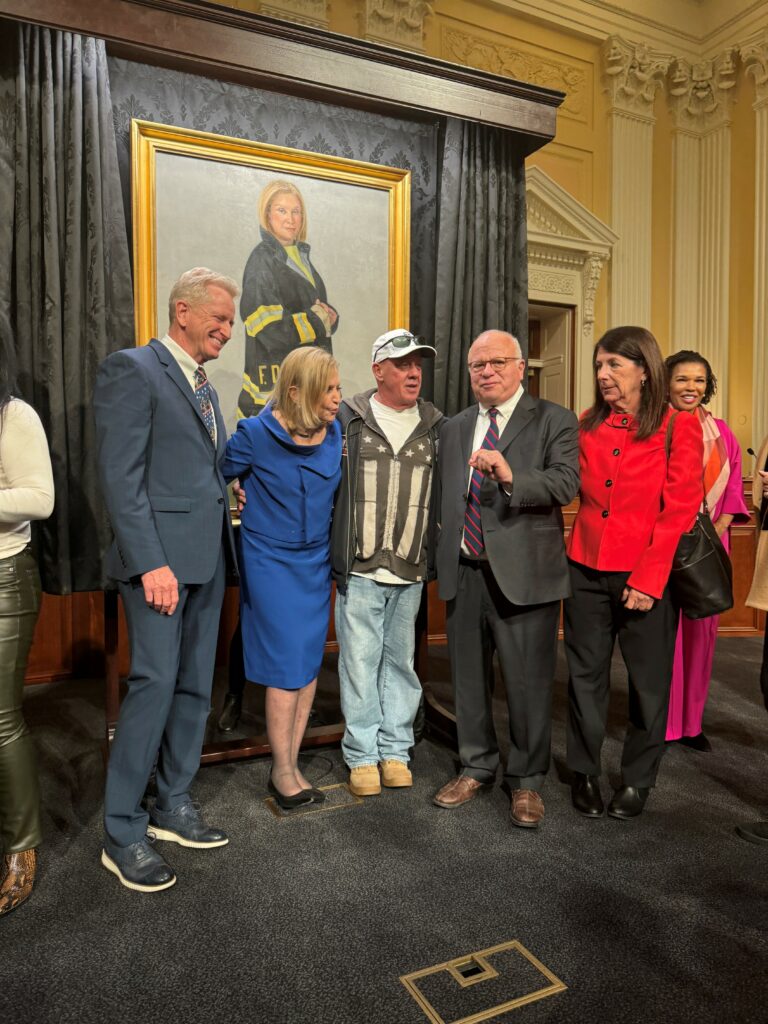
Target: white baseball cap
point(397, 343)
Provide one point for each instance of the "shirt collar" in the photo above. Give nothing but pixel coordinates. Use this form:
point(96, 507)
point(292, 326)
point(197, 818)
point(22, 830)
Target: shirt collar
point(184, 359)
point(505, 409)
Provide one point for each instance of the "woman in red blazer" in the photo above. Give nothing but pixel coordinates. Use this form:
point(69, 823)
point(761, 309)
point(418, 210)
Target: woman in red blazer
point(635, 504)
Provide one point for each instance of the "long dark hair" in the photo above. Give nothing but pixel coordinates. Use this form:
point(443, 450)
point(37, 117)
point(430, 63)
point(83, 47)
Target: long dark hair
point(686, 355)
point(7, 365)
point(639, 345)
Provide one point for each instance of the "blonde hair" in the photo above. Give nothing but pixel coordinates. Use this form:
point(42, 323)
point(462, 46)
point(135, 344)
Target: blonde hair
point(193, 285)
point(267, 197)
point(308, 370)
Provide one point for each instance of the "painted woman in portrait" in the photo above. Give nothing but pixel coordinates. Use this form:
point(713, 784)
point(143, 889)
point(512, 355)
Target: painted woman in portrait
point(284, 303)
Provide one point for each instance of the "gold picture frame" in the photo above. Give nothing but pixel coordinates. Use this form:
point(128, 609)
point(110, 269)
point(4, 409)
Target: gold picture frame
point(195, 203)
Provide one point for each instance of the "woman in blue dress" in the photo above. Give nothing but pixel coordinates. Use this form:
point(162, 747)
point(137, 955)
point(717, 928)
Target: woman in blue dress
point(288, 461)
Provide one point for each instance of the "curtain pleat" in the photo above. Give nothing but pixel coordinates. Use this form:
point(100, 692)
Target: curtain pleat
point(70, 292)
point(482, 269)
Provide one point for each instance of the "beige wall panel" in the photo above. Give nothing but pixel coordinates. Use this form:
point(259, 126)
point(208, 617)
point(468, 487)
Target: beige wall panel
point(570, 168)
point(741, 270)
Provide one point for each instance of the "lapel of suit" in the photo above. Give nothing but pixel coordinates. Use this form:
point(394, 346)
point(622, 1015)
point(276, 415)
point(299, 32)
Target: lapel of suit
point(519, 420)
point(466, 434)
point(176, 374)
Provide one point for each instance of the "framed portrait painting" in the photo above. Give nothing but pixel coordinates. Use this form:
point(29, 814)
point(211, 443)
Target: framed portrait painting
point(319, 246)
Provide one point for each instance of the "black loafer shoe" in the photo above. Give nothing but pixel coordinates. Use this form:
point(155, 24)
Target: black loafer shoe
point(318, 796)
point(138, 866)
point(183, 825)
point(755, 832)
point(585, 795)
point(230, 713)
point(289, 803)
point(627, 802)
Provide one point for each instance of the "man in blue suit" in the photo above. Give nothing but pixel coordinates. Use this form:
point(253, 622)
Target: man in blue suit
point(161, 440)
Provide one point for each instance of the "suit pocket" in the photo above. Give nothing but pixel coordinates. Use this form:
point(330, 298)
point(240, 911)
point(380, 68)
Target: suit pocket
point(167, 504)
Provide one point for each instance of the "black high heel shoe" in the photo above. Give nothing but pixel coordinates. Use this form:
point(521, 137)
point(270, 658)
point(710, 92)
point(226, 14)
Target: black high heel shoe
point(289, 803)
point(318, 796)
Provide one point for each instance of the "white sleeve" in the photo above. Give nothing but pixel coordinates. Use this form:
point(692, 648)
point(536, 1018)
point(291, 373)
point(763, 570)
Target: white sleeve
point(26, 477)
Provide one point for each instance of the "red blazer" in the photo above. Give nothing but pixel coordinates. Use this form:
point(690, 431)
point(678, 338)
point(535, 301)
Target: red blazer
point(634, 503)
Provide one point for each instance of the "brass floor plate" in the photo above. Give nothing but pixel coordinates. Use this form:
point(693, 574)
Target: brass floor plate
point(337, 798)
point(477, 986)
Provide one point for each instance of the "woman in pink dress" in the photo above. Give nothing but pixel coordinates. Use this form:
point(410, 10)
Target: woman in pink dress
point(691, 385)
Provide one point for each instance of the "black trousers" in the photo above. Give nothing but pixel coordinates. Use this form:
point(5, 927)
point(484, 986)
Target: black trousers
point(480, 620)
point(19, 789)
point(594, 617)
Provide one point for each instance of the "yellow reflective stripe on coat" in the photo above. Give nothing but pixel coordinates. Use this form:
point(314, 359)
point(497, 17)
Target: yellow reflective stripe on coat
point(261, 317)
point(303, 327)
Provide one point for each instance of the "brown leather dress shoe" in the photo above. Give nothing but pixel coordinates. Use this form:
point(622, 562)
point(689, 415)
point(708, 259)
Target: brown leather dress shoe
point(458, 791)
point(19, 879)
point(527, 808)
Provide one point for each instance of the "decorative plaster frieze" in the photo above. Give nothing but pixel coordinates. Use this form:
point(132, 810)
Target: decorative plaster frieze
point(555, 284)
point(303, 12)
point(754, 56)
point(501, 59)
point(397, 22)
point(701, 95)
point(633, 73)
point(542, 217)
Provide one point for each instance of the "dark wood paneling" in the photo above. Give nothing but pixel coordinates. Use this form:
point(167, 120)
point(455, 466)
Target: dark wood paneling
point(238, 45)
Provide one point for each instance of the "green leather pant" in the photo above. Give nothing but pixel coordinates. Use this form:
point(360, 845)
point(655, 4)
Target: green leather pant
point(19, 787)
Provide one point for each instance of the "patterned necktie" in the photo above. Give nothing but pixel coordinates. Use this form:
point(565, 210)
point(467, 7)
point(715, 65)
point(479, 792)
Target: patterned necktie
point(473, 528)
point(203, 392)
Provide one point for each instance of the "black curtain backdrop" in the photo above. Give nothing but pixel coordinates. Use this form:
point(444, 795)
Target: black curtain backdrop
point(482, 261)
point(65, 113)
point(65, 278)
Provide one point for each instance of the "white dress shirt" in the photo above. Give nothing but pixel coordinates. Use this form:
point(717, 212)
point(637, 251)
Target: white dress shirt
point(187, 365)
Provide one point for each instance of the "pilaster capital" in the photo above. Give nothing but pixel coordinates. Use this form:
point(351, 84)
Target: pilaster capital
point(632, 74)
point(701, 95)
point(304, 12)
point(754, 56)
point(397, 22)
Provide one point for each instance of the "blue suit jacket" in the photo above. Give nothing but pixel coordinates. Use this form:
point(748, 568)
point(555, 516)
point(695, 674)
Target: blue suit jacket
point(159, 469)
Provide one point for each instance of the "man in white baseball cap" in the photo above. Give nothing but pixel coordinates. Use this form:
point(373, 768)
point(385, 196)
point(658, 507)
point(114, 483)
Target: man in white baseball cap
point(382, 550)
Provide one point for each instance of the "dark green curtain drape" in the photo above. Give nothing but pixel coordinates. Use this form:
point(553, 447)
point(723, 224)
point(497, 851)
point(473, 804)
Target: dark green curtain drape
point(67, 282)
point(482, 263)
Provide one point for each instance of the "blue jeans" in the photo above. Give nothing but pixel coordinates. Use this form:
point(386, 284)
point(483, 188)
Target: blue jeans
point(380, 692)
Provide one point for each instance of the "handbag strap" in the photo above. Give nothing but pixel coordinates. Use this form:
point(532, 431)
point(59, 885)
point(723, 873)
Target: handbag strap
point(668, 449)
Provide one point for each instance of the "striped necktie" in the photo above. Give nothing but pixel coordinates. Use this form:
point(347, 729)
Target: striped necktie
point(473, 527)
point(203, 392)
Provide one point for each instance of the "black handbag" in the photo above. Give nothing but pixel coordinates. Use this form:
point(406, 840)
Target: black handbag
point(701, 580)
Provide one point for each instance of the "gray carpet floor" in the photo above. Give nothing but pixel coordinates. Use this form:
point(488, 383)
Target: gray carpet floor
point(316, 917)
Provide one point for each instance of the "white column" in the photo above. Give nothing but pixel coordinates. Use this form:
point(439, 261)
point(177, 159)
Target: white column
point(700, 96)
point(632, 74)
point(755, 57)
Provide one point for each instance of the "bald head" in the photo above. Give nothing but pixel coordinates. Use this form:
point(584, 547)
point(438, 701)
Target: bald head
point(496, 367)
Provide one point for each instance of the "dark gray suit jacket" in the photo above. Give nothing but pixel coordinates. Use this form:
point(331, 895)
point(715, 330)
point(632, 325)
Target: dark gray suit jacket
point(166, 497)
point(523, 532)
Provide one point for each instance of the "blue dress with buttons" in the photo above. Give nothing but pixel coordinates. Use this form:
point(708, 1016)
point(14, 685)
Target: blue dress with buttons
point(285, 570)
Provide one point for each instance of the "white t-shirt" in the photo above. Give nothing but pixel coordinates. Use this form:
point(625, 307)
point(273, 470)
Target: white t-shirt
point(26, 477)
point(396, 425)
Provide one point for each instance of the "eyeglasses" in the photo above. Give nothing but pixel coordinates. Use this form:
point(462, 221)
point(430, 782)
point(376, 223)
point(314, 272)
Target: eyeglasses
point(400, 341)
point(497, 365)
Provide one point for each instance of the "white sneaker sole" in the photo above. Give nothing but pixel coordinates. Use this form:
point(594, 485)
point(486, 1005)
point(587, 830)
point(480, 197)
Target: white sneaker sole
point(174, 837)
point(110, 865)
